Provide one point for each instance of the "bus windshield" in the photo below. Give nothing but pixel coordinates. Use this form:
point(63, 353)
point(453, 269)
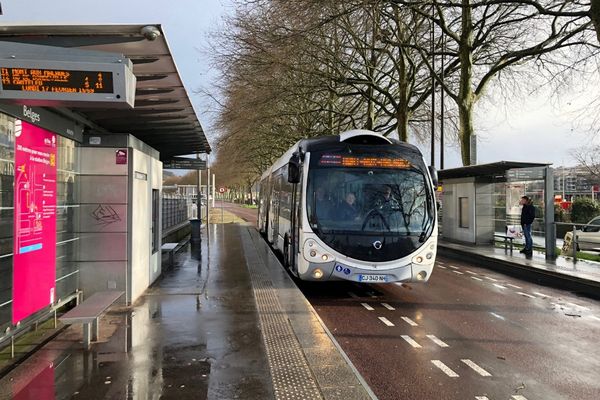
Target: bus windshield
point(361, 200)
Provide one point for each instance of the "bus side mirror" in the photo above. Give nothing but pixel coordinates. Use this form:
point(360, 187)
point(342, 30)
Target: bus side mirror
point(434, 176)
point(294, 169)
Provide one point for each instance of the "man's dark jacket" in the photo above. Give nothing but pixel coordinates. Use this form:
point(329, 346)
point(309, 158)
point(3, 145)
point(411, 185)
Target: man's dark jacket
point(527, 214)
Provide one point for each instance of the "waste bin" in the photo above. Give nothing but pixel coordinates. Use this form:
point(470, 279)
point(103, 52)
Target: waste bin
point(196, 230)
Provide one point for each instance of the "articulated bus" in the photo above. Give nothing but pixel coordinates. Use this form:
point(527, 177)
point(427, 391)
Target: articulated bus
point(356, 206)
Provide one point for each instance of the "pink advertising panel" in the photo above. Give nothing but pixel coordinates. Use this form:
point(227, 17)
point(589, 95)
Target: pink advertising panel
point(34, 261)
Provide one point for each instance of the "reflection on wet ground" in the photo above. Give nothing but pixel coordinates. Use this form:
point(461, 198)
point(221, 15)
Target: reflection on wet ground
point(193, 335)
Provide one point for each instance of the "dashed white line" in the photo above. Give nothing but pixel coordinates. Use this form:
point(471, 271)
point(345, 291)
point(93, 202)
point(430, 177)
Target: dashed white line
point(386, 321)
point(441, 262)
point(541, 294)
point(437, 341)
point(353, 295)
point(481, 398)
point(458, 272)
point(498, 316)
point(442, 267)
point(518, 397)
point(576, 305)
point(409, 321)
point(514, 286)
point(410, 341)
point(444, 368)
point(477, 279)
point(453, 267)
point(386, 305)
point(470, 272)
point(499, 286)
point(526, 295)
point(476, 367)
point(594, 317)
point(368, 307)
point(491, 279)
point(398, 283)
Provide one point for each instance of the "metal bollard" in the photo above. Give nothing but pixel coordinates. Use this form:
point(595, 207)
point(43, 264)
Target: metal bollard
point(574, 244)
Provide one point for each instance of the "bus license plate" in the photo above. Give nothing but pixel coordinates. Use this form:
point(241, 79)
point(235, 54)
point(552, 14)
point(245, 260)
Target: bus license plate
point(372, 278)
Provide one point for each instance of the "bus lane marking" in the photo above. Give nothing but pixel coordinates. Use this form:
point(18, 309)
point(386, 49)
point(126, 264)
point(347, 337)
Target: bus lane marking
point(514, 286)
point(353, 295)
point(458, 272)
point(499, 286)
point(476, 367)
point(541, 294)
point(470, 272)
point(477, 279)
point(386, 305)
point(518, 397)
point(491, 279)
point(526, 295)
point(481, 398)
point(368, 307)
point(445, 368)
point(386, 321)
point(453, 267)
point(409, 321)
point(441, 266)
point(410, 341)
point(437, 341)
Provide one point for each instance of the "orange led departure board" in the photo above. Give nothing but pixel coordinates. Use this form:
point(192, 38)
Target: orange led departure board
point(56, 80)
point(363, 161)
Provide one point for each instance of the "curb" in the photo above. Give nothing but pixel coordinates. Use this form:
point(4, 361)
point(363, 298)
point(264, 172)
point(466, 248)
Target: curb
point(555, 279)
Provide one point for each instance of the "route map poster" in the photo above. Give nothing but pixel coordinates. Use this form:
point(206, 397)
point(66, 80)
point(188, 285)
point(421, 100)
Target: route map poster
point(34, 260)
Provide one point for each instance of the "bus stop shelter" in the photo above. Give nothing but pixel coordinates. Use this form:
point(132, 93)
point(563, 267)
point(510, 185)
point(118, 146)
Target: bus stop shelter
point(481, 202)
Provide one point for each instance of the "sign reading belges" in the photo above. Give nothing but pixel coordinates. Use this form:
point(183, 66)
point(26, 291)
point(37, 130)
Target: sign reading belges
point(56, 81)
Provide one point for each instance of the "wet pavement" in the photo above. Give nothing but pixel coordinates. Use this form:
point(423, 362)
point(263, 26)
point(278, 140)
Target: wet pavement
point(468, 333)
point(198, 333)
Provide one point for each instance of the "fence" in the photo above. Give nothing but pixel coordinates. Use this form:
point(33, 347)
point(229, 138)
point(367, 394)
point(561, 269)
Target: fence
point(176, 210)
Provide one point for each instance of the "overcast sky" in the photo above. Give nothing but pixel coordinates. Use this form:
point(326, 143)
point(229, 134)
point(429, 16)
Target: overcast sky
point(529, 130)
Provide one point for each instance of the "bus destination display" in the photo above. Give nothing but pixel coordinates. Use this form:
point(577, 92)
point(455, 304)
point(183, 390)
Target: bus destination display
point(56, 80)
point(363, 161)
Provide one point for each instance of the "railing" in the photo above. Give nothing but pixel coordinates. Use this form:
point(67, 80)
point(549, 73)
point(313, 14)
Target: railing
point(176, 210)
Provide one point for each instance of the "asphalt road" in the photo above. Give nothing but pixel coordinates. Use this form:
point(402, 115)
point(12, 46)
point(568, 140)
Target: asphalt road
point(469, 333)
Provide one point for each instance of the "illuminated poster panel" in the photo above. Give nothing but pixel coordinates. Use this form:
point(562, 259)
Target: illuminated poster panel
point(34, 261)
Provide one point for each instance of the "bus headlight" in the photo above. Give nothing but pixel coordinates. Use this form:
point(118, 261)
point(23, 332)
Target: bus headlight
point(317, 273)
point(324, 257)
point(313, 253)
point(419, 259)
point(421, 276)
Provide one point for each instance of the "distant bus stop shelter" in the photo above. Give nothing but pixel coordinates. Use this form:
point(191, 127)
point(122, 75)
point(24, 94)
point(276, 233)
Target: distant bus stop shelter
point(481, 201)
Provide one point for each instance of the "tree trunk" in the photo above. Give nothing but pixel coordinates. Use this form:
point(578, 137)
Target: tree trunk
point(595, 16)
point(466, 97)
point(402, 113)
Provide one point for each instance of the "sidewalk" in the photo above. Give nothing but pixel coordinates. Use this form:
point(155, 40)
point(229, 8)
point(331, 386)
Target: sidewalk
point(229, 324)
point(581, 275)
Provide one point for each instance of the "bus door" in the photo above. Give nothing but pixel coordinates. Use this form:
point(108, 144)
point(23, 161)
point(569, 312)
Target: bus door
point(275, 207)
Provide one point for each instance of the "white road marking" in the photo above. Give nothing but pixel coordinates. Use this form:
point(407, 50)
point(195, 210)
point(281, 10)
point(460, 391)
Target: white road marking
point(470, 272)
point(481, 398)
point(476, 367)
point(386, 305)
point(437, 341)
point(441, 262)
point(519, 397)
point(453, 267)
point(526, 295)
point(444, 368)
point(498, 316)
point(458, 272)
point(514, 286)
point(386, 321)
point(491, 279)
point(398, 283)
point(410, 341)
point(409, 321)
point(594, 317)
point(541, 294)
point(368, 307)
point(499, 286)
point(577, 306)
point(442, 267)
point(477, 279)
point(353, 295)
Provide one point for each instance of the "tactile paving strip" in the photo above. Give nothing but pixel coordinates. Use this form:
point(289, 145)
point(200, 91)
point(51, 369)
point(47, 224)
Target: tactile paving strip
point(292, 378)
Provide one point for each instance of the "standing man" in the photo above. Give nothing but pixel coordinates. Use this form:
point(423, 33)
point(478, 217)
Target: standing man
point(527, 217)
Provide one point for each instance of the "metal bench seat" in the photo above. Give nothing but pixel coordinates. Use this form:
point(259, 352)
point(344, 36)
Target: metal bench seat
point(88, 313)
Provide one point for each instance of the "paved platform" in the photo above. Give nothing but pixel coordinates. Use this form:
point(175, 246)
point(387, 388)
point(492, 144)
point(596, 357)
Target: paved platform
point(225, 323)
point(581, 273)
